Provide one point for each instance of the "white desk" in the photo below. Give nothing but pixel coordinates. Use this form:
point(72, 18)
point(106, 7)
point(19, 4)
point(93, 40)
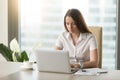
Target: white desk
point(7, 68)
point(17, 74)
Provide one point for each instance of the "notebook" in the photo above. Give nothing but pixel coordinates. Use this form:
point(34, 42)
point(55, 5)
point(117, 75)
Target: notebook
point(53, 61)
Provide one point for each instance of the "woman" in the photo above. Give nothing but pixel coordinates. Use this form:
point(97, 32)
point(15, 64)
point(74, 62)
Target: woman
point(78, 41)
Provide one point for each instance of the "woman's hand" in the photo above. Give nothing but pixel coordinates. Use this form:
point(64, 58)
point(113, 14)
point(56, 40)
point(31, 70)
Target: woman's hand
point(75, 65)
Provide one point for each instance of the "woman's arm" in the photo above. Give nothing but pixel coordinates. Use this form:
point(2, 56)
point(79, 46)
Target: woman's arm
point(58, 48)
point(93, 60)
point(93, 63)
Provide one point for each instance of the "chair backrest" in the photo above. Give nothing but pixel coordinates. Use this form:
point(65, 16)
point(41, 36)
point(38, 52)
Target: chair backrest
point(97, 31)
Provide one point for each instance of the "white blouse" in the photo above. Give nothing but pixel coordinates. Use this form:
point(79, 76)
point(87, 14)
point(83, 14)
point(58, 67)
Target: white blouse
point(86, 42)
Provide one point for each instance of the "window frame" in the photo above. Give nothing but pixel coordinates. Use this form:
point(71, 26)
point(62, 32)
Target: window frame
point(13, 20)
point(118, 37)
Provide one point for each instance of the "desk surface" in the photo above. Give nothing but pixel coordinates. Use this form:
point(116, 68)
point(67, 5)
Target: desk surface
point(7, 68)
point(12, 71)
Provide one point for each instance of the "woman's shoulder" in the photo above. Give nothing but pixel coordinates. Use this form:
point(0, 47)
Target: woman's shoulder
point(89, 35)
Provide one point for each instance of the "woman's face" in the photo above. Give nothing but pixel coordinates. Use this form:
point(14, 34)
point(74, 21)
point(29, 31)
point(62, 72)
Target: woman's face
point(71, 26)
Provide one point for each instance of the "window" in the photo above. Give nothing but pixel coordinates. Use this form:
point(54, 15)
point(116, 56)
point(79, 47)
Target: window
point(41, 22)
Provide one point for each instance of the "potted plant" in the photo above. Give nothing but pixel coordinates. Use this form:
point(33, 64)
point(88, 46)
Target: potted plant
point(13, 53)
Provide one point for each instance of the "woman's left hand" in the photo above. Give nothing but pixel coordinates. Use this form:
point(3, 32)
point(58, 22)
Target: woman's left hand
point(75, 65)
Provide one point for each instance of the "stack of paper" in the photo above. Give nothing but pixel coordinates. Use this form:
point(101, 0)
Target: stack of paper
point(91, 71)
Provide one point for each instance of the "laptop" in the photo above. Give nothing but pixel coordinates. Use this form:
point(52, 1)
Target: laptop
point(53, 61)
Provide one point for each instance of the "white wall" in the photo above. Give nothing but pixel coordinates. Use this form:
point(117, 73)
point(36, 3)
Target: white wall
point(3, 24)
point(4, 21)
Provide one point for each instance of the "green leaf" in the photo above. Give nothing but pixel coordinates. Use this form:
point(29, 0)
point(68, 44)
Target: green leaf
point(24, 57)
point(18, 57)
point(6, 52)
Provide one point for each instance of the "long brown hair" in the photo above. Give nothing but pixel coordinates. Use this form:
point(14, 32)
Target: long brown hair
point(79, 20)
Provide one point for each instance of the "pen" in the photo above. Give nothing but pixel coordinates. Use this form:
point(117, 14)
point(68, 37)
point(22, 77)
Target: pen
point(83, 70)
point(101, 72)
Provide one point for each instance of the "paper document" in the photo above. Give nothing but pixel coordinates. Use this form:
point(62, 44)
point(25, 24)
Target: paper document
point(91, 71)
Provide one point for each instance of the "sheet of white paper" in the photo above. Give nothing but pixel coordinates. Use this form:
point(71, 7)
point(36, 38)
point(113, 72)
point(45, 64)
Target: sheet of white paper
point(91, 71)
point(96, 70)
